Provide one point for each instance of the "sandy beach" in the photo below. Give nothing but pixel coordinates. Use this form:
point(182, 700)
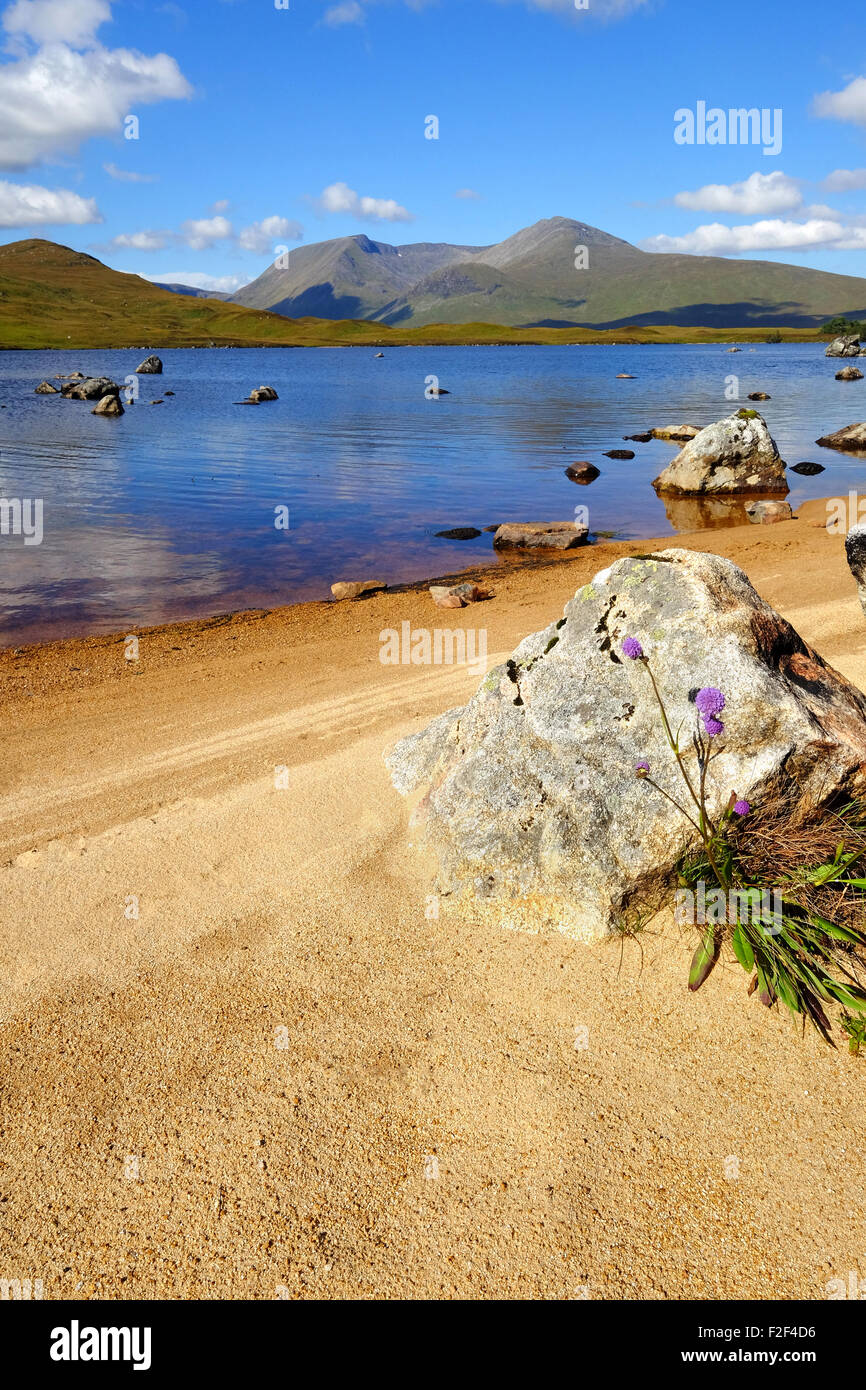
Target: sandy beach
point(240, 1062)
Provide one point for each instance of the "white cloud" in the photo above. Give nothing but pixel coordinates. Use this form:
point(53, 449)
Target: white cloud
point(127, 176)
point(769, 235)
point(30, 205)
point(202, 232)
point(844, 180)
point(260, 236)
point(57, 21)
point(54, 98)
point(340, 198)
point(467, 193)
point(139, 241)
point(847, 105)
point(759, 193)
point(350, 12)
point(226, 284)
point(221, 205)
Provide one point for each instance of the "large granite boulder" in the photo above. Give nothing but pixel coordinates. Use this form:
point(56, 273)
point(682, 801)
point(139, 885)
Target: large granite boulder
point(855, 550)
point(846, 345)
point(151, 366)
point(735, 455)
point(92, 388)
point(531, 804)
point(851, 439)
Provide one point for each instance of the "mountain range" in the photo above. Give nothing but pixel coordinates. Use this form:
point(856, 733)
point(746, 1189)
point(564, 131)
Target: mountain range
point(532, 279)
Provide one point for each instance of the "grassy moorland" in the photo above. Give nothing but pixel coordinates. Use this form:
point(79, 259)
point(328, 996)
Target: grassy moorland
point(53, 297)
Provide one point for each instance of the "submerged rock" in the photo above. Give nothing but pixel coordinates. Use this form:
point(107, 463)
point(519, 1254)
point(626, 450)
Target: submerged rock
point(619, 454)
point(540, 535)
point(531, 805)
point(460, 533)
point(734, 455)
point(643, 438)
point(151, 366)
point(846, 345)
point(583, 472)
point(808, 470)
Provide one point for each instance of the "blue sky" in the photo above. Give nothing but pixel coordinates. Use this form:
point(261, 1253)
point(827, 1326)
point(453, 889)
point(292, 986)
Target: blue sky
point(261, 126)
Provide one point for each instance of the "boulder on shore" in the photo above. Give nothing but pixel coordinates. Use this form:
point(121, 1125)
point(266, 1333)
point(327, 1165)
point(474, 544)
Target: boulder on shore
point(92, 388)
point(736, 455)
point(850, 439)
point(357, 588)
point(540, 535)
point(531, 805)
point(764, 512)
point(45, 389)
point(846, 345)
point(458, 595)
point(855, 553)
point(151, 366)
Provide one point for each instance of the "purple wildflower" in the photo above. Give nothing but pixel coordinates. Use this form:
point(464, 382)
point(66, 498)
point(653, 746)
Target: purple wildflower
point(741, 808)
point(713, 726)
point(642, 768)
point(632, 648)
point(710, 701)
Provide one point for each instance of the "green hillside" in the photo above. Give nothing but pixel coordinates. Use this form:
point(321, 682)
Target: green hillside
point(53, 297)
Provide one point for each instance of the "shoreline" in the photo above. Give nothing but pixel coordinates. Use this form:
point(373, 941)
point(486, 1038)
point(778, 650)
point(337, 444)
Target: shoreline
point(233, 1036)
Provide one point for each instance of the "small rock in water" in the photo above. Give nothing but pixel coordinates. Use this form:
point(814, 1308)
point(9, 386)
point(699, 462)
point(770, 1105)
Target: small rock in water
point(624, 376)
point(850, 439)
point(807, 469)
point(45, 389)
point(583, 472)
point(109, 405)
point(263, 393)
point(767, 512)
point(849, 374)
point(356, 588)
point(759, 396)
point(619, 454)
point(540, 535)
point(380, 354)
point(169, 393)
point(151, 366)
point(846, 345)
point(460, 533)
point(676, 434)
point(643, 438)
